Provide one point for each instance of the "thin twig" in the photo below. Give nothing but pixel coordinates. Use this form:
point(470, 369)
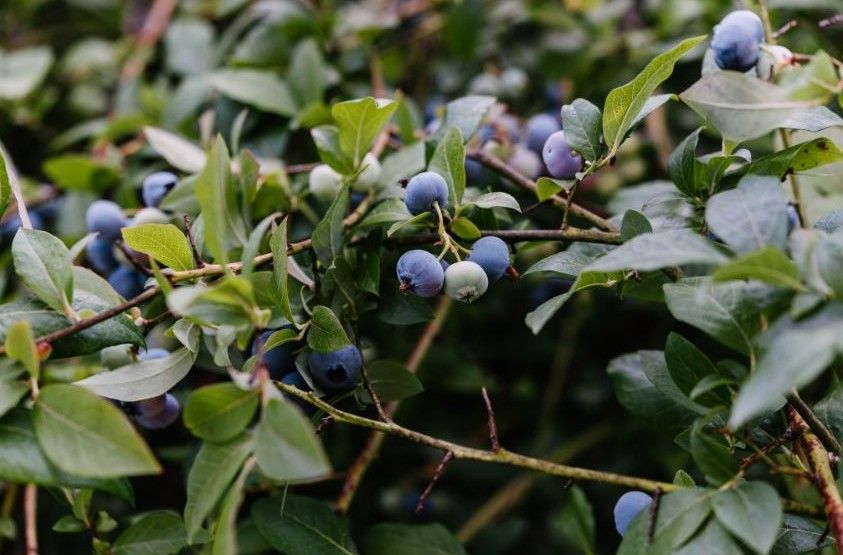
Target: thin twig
point(785, 28)
point(324, 423)
point(30, 515)
point(654, 514)
point(375, 399)
point(831, 21)
point(300, 168)
point(493, 425)
point(194, 248)
point(820, 430)
point(373, 444)
point(440, 470)
point(519, 235)
point(502, 168)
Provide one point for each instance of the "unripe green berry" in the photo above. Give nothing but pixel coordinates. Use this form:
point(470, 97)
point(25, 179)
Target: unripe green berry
point(324, 182)
point(370, 175)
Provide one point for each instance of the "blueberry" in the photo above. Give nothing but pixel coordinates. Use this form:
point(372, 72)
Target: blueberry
point(627, 508)
point(737, 39)
point(100, 256)
point(128, 282)
point(560, 160)
point(370, 175)
point(337, 370)
point(425, 189)
point(420, 273)
point(106, 218)
point(539, 128)
point(149, 216)
point(47, 211)
point(491, 254)
point(279, 360)
point(527, 162)
point(156, 186)
point(158, 412)
point(465, 281)
point(11, 226)
point(792, 218)
point(324, 182)
point(153, 354)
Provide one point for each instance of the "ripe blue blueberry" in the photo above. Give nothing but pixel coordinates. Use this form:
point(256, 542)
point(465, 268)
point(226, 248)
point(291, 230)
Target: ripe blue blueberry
point(128, 282)
point(106, 218)
point(425, 189)
point(539, 128)
point(100, 256)
point(736, 40)
point(627, 508)
point(279, 360)
point(11, 226)
point(491, 254)
point(158, 412)
point(420, 272)
point(156, 186)
point(465, 281)
point(792, 218)
point(561, 161)
point(336, 370)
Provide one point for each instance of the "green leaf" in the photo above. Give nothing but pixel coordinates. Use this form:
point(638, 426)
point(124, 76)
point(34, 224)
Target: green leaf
point(329, 233)
point(287, 448)
point(21, 71)
point(582, 122)
point(297, 525)
point(712, 454)
point(11, 392)
point(800, 535)
point(496, 200)
point(402, 164)
point(359, 122)
point(465, 229)
point(88, 436)
point(684, 166)
point(68, 524)
point(575, 522)
point(712, 539)
point(769, 265)
point(219, 412)
point(230, 301)
point(547, 188)
point(5, 184)
point(23, 460)
point(680, 515)
point(410, 539)
point(252, 248)
point(278, 246)
point(752, 512)
point(688, 366)
point(465, 114)
point(830, 411)
point(155, 533)
point(223, 224)
point(389, 211)
point(794, 358)
point(653, 251)
point(326, 333)
point(741, 107)
point(633, 377)
point(817, 80)
point(43, 263)
point(307, 72)
point(682, 478)
point(623, 104)
point(141, 380)
point(163, 242)
point(178, 152)
point(722, 310)
point(402, 310)
point(751, 216)
point(327, 140)
point(225, 532)
point(634, 223)
point(81, 173)
point(20, 346)
point(417, 219)
point(569, 262)
point(798, 158)
point(449, 161)
point(260, 89)
point(536, 319)
point(392, 381)
point(214, 468)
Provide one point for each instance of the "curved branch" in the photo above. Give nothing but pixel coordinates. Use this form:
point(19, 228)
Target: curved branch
point(561, 200)
point(518, 235)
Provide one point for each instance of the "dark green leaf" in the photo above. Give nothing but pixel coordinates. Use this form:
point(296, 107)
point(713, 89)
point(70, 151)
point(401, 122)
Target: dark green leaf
point(752, 512)
point(392, 381)
point(410, 539)
point(326, 333)
point(297, 525)
point(287, 448)
point(449, 161)
point(328, 235)
point(219, 412)
point(43, 263)
point(634, 223)
point(582, 122)
point(156, 533)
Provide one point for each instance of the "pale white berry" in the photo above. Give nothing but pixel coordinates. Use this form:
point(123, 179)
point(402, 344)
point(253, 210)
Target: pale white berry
point(465, 281)
point(370, 175)
point(324, 182)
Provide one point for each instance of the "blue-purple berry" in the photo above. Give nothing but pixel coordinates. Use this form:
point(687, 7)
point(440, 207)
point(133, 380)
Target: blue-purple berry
point(336, 370)
point(156, 186)
point(100, 255)
point(491, 254)
point(105, 218)
point(737, 40)
point(424, 190)
point(279, 360)
point(561, 161)
point(539, 128)
point(627, 508)
point(420, 273)
point(128, 282)
point(158, 412)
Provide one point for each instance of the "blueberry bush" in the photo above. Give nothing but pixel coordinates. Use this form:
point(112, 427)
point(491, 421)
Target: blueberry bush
point(417, 276)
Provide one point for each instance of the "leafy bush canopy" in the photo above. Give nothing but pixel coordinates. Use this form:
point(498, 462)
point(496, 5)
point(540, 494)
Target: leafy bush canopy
point(235, 232)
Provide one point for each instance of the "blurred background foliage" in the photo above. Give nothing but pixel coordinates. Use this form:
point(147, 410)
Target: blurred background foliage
point(80, 78)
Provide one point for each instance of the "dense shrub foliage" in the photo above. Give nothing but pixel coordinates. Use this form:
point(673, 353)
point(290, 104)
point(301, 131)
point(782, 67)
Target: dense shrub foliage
point(238, 236)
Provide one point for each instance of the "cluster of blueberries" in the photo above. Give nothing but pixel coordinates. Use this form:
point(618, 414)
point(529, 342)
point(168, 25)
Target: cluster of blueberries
point(156, 412)
point(106, 219)
point(333, 371)
point(738, 44)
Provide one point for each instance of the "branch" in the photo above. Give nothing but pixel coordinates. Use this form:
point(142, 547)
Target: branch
point(818, 460)
point(518, 235)
point(30, 515)
point(561, 200)
point(157, 20)
point(493, 426)
point(820, 430)
point(440, 470)
point(209, 270)
point(373, 444)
